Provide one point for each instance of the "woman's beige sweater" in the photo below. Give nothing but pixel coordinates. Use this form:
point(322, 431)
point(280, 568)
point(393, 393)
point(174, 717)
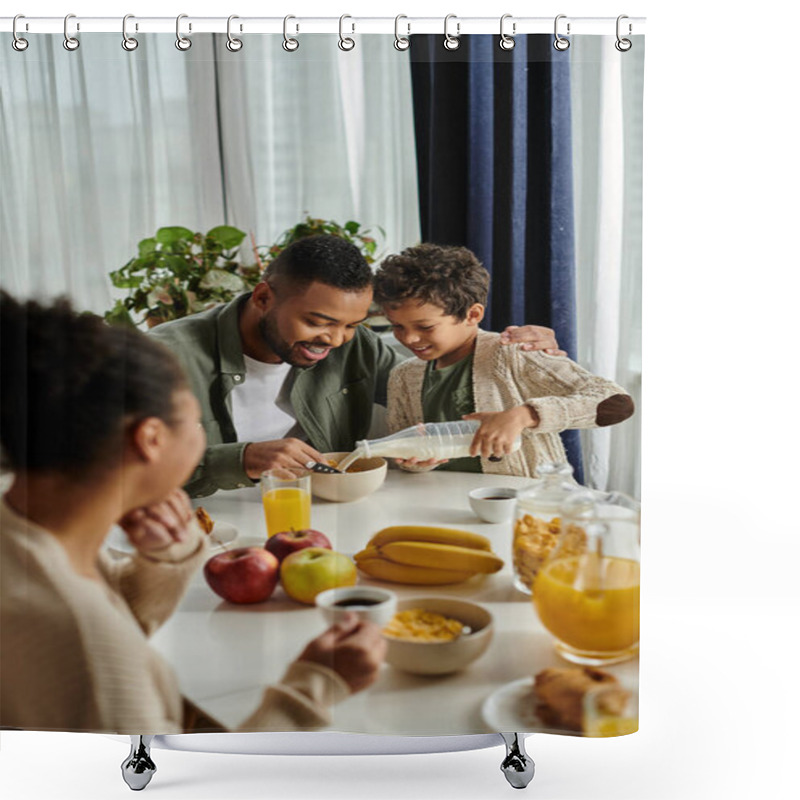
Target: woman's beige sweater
point(563, 394)
point(74, 654)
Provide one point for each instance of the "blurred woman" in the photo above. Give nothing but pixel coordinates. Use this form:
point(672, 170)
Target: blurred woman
point(98, 426)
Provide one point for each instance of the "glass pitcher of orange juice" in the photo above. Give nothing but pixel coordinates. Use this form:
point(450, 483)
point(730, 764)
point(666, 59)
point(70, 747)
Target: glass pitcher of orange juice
point(587, 594)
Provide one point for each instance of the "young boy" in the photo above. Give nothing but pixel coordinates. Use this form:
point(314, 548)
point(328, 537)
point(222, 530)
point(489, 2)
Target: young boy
point(435, 299)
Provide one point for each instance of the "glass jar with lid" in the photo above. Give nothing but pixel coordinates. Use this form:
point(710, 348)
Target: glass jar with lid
point(536, 521)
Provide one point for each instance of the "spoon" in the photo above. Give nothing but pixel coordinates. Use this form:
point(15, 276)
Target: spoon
point(319, 466)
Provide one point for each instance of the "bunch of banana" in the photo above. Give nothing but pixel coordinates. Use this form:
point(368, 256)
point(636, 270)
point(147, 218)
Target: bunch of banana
point(426, 555)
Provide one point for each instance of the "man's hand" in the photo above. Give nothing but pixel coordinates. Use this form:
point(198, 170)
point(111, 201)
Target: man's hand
point(499, 429)
point(291, 454)
point(158, 526)
point(353, 648)
point(532, 337)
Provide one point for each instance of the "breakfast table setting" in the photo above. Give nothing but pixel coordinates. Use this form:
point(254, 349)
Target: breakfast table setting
point(225, 653)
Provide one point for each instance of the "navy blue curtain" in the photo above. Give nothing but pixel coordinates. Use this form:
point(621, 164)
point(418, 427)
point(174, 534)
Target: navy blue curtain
point(495, 174)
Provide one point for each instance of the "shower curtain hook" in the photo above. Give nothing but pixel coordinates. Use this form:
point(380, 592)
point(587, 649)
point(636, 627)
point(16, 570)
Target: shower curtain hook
point(182, 42)
point(623, 45)
point(70, 42)
point(452, 42)
point(18, 43)
point(290, 44)
point(345, 42)
point(233, 44)
point(128, 42)
point(560, 42)
point(507, 42)
point(401, 42)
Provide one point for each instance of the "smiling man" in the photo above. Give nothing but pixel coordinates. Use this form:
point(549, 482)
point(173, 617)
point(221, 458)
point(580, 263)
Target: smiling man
point(288, 372)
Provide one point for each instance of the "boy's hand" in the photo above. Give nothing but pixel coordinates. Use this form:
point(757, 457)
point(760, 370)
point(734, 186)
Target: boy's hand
point(532, 337)
point(353, 648)
point(430, 463)
point(499, 429)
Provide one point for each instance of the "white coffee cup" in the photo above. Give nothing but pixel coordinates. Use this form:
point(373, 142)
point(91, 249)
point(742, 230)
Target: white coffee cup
point(493, 503)
point(367, 602)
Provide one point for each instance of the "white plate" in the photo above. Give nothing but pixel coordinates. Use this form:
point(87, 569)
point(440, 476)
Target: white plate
point(511, 708)
point(223, 534)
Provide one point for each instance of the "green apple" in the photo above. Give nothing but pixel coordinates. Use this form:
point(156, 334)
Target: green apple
point(312, 570)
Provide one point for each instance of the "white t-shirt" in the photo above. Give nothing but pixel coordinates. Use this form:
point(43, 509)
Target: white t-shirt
point(261, 407)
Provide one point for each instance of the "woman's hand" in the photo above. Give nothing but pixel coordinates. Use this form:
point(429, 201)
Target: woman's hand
point(353, 648)
point(499, 430)
point(157, 526)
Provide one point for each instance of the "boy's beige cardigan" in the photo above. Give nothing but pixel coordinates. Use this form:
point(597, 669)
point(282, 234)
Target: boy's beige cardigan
point(562, 393)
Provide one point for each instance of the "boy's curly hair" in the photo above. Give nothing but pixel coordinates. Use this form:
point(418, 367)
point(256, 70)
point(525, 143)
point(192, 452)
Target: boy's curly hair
point(451, 278)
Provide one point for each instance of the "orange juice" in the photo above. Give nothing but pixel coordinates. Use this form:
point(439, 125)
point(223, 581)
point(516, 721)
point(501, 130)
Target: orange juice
point(286, 510)
point(590, 603)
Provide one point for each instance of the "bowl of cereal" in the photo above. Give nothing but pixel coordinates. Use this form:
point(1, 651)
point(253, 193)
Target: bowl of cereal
point(437, 635)
point(363, 477)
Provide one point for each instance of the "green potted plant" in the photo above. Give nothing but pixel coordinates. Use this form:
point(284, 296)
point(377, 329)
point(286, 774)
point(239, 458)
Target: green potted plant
point(179, 272)
point(310, 226)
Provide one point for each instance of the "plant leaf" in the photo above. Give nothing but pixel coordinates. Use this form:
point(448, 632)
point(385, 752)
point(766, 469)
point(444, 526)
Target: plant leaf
point(222, 279)
point(169, 236)
point(228, 236)
point(119, 315)
point(147, 247)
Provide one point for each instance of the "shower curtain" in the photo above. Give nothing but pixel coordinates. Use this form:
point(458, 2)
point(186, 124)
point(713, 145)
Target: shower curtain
point(528, 156)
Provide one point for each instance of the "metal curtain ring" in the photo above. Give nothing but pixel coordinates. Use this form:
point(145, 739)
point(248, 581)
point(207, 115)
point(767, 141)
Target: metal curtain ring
point(18, 43)
point(345, 42)
point(70, 42)
point(233, 44)
point(623, 45)
point(290, 44)
point(181, 42)
point(560, 43)
point(451, 42)
point(401, 42)
point(507, 42)
point(128, 42)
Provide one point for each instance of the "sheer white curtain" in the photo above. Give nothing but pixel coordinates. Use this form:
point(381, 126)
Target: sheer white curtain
point(100, 147)
point(607, 160)
point(319, 131)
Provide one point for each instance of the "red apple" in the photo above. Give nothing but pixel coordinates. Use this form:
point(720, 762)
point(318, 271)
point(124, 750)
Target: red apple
point(288, 542)
point(312, 570)
point(243, 575)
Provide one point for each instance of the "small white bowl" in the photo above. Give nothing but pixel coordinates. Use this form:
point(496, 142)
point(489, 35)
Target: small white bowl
point(380, 609)
point(441, 658)
point(493, 503)
point(349, 486)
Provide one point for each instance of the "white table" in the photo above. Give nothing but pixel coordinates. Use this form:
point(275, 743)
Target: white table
point(224, 654)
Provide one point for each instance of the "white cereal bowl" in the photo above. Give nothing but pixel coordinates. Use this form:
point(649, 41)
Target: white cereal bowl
point(442, 658)
point(493, 503)
point(349, 486)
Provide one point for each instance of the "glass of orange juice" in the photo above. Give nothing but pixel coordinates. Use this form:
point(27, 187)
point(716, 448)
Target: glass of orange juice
point(589, 600)
point(287, 500)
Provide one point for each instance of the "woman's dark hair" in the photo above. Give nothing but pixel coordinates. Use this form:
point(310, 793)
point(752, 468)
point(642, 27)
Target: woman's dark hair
point(328, 259)
point(451, 278)
point(69, 385)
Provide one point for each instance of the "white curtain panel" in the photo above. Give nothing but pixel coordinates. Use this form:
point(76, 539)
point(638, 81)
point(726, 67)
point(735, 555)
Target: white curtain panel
point(607, 159)
point(100, 147)
point(319, 131)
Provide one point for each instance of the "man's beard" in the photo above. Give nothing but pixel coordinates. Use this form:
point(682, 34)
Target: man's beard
point(268, 330)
